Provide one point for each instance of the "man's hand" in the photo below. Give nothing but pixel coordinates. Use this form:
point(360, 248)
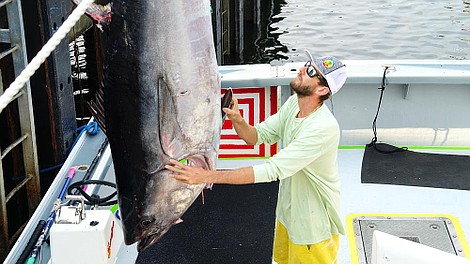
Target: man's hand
point(188, 174)
point(195, 175)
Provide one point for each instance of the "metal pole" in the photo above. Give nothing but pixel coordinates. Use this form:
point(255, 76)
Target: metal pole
point(3, 204)
point(25, 106)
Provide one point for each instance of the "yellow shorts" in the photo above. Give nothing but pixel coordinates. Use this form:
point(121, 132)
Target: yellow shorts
point(286, 252)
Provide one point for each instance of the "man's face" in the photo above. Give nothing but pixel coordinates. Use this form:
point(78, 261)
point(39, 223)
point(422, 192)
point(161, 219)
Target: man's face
point(303, 84)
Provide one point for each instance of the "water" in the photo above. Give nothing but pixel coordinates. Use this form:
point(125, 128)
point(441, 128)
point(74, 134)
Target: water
point(392, 29)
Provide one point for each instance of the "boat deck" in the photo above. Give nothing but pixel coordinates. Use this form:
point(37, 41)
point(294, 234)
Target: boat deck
point(255, 229)
point(410, 116)
point(386, 199)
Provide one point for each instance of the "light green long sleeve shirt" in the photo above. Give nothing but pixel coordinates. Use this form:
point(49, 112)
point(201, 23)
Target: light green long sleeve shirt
point(309, 189)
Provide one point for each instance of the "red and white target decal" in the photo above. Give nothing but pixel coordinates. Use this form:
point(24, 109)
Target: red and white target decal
point(255, 104)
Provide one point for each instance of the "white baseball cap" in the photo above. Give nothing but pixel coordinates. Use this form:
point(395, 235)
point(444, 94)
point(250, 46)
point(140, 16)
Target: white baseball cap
point(332, 69)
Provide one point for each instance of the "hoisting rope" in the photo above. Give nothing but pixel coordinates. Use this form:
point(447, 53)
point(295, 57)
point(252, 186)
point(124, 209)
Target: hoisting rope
point(12, 91)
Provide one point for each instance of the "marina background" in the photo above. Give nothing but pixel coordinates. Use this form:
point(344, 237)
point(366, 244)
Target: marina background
point(396, 29)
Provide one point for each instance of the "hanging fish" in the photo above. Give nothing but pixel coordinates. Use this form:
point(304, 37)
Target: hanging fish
point(161, 102)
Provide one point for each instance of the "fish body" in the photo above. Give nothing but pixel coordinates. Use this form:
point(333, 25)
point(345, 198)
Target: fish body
point(162, 101)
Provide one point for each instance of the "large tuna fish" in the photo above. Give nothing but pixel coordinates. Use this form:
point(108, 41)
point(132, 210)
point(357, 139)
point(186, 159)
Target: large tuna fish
point(162, 101)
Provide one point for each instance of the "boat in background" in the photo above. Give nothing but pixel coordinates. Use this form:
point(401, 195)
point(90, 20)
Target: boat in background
point(425, 107)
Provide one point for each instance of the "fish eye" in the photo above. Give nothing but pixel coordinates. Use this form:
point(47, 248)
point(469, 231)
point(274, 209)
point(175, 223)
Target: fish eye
point(147, 222)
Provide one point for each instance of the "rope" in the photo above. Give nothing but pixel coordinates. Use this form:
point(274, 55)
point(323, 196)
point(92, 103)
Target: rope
point(42, 55)
point(91, 128)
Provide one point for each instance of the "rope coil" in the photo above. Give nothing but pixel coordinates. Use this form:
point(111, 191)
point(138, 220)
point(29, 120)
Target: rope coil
point(42, 55)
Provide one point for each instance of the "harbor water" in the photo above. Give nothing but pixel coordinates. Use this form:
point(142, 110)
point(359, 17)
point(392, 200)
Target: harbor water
point(394, 29)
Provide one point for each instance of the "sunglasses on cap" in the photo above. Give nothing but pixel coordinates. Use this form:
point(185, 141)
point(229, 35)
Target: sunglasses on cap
point(312, 73)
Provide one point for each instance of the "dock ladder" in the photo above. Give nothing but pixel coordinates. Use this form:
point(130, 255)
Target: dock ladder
point(15, 36)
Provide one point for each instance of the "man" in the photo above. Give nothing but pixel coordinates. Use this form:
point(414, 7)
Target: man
point(308, 222)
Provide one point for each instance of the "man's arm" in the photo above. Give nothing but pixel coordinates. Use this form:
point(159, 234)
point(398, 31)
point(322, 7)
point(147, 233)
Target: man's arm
point(245, 131)
point(194, 175)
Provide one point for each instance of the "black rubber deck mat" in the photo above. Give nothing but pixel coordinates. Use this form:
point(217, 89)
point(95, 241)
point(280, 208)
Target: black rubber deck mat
point(234, 225)
point(387, 164)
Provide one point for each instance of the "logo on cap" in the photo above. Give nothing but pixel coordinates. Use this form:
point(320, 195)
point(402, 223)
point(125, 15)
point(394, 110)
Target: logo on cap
point(328, 63)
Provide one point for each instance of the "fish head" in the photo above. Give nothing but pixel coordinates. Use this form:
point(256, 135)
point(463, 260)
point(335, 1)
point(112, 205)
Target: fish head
point(158, 204)
point(163, 208)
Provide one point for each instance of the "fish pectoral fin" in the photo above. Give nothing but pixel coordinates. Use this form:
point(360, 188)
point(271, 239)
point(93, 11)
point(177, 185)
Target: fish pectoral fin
point(226, 102)
point(179, 221)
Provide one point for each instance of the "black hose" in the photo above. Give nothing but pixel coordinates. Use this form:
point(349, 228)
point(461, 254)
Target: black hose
point(373, 142)
point(93, 199)
point(32, 241)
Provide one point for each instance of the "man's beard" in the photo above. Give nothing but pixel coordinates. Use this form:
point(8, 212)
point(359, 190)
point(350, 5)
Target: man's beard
point(301, 90)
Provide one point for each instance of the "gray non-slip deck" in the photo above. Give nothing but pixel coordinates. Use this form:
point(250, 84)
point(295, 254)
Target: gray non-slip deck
point(358, 198)
point(235, 225)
